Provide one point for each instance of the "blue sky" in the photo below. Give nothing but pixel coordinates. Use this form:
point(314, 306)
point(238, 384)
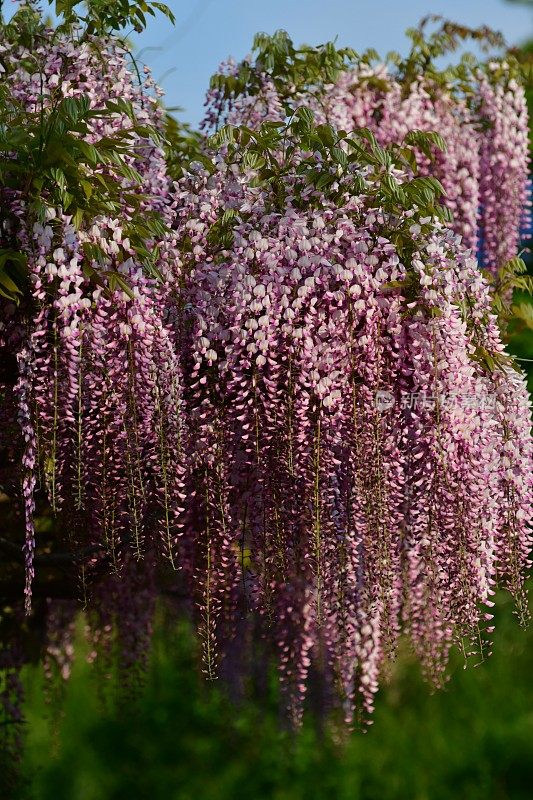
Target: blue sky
point(207, 31)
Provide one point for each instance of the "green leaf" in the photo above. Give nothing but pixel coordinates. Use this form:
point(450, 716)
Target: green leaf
point(523, 312)
point(339, 156)
point(305, 116)
point(225, 136)
point(87, 188)
point(8, 284)
point(116, 282)
point(251, 160)
point(424, 139)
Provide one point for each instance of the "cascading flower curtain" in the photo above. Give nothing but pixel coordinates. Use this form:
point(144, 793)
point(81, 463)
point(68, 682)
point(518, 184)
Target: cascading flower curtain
point(360, 469)
point(294, 392)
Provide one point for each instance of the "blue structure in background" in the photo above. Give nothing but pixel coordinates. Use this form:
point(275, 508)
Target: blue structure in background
point(526, 231)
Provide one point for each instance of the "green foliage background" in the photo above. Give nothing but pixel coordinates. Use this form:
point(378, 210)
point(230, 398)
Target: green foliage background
point(184, 740)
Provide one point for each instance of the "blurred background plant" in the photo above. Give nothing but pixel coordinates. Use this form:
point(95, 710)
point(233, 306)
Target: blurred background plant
point(184, 740)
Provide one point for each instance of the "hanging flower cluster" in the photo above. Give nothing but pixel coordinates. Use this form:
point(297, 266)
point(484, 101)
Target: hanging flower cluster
point(480, 111)
point(358, 469)
point(485, 167)
point(99, 378)
point(281, 374)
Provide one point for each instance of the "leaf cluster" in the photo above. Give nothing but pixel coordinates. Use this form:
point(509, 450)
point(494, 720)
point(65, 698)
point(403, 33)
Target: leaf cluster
point(447, 38)
point(295, 72)
point(12, 274)
point(510, 277)
point(101, 17)
point(313, 165)
point(47, 159)
point(309, 71)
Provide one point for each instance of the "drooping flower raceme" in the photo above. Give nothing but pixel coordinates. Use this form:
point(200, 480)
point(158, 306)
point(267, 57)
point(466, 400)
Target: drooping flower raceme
point(99, 383)
point(485, 167)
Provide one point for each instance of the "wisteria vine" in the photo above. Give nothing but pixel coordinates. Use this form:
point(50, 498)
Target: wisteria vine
point(286, 397)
